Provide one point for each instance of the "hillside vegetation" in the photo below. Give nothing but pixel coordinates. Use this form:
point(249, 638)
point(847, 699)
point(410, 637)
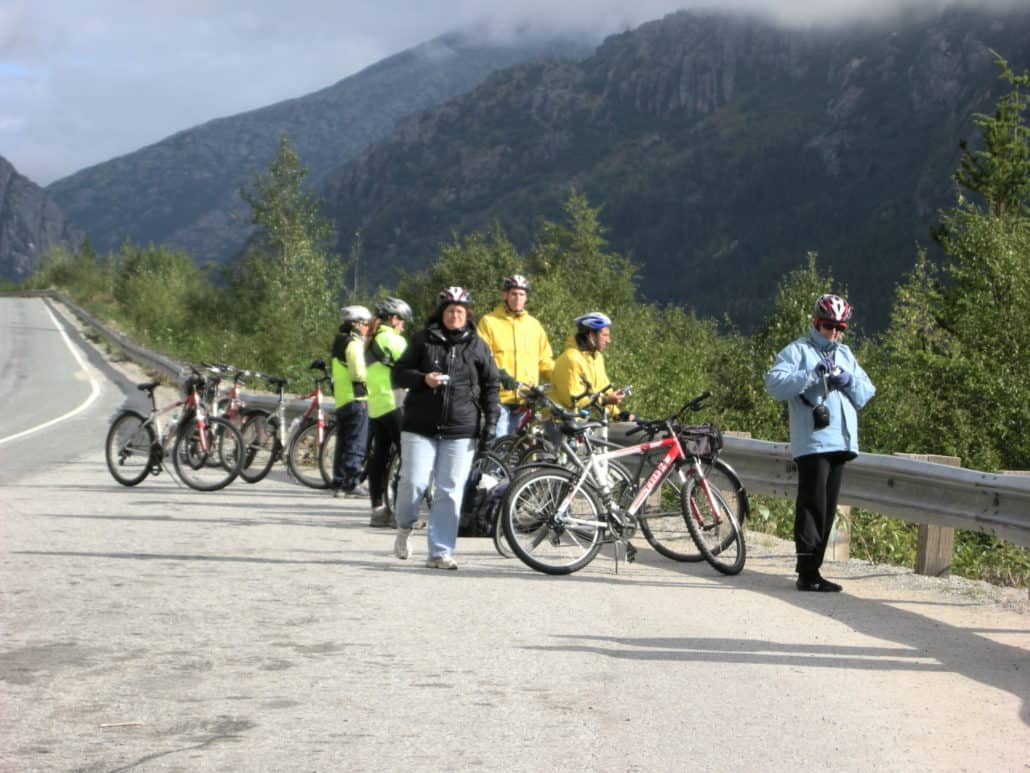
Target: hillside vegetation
point(722, 147)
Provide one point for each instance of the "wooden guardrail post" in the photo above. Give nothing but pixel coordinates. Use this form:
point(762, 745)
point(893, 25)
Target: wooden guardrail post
point(936, 544)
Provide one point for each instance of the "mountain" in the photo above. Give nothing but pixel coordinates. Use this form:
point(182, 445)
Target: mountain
point(184, 190)
point(722, 148)
point(30, 223)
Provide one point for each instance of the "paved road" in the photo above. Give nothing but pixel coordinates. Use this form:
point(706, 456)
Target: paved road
point(267, 628)
point(55, 388)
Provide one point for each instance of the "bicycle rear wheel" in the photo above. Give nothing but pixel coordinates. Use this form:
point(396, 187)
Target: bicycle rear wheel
point(260, 436)
point(208, 459)
point(714, 526)
point(664, 525)
point(129, 448)
point(544, 530)
point(303, 457)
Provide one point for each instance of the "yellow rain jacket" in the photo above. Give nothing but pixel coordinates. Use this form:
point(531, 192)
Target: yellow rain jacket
point(569, 367)
point(519, 345)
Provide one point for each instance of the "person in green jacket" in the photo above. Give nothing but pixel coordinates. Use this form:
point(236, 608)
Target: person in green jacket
point(385, 346)
point(350, 390)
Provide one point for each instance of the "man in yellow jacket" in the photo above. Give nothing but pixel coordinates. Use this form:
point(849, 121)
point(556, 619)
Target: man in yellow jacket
point(519, 345)
point(583, 361)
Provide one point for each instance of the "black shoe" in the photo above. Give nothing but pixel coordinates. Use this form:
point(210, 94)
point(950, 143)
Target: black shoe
point(818, 585)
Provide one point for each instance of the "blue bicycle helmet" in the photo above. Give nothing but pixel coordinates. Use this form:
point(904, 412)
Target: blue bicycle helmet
point(595, 320)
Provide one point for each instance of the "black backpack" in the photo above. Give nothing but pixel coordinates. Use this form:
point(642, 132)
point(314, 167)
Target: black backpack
point(479, 506)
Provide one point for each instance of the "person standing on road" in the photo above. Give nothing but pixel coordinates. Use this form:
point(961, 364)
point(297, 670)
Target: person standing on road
point(386, 345)
point(350, 391)
point(452, 385)
point(824, 388)
point(519, 345)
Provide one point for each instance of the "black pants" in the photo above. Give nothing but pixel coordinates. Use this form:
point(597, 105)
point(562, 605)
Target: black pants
point(819, 478)
point(385, 431)
point(351, 440)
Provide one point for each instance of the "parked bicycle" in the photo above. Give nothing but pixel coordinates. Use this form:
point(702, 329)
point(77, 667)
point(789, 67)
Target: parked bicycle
point(206, 450)
point(266, 437)
point(556, 518)
point(228, 403)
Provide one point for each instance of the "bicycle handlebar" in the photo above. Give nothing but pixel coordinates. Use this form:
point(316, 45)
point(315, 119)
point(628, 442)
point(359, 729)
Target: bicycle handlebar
point(653, 426)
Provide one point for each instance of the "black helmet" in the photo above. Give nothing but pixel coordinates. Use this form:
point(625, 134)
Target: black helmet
point(391, 306)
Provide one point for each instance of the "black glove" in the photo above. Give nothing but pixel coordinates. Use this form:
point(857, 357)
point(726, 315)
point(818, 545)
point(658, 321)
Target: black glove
point(486, 440)
point(507, 381)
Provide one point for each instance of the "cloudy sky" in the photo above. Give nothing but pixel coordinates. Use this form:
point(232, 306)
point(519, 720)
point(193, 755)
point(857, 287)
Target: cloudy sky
point(82, 82)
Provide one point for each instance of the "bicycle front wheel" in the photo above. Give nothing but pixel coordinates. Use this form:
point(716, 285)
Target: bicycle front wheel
point(723, 477)
point(664, 525)
point(713, 526)
point(210, 458)
point(325, 458)
point(260, 445)
point(129, 448)
point(548, 527)
point(304, 455)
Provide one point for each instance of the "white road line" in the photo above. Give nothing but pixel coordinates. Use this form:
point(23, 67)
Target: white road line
point(94, 386)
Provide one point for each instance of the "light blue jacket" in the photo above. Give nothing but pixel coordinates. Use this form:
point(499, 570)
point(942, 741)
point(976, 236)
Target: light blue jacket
point(793, 375)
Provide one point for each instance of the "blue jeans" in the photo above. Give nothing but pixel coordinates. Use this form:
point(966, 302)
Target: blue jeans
point(508, 422)
point(445, 464)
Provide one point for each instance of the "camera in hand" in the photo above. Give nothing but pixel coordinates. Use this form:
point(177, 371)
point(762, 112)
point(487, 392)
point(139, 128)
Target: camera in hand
point(821, 416)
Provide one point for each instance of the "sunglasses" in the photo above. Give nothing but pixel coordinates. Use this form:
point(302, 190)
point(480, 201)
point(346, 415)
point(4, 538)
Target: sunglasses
point(832, 326)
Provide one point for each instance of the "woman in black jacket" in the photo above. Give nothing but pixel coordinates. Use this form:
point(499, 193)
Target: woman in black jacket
point(452, 384)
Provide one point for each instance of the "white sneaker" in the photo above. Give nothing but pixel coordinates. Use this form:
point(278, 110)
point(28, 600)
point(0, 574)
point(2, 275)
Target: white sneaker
point(442, 562)
point(400, 543)
point(419, 524)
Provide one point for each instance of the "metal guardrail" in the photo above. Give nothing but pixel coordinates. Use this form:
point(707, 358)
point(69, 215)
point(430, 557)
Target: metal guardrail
point(911, 490)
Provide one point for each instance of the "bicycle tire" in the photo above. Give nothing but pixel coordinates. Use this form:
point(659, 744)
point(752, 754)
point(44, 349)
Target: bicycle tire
point(129, 448)
point(533, 451)
point(261, 448)
point(713, 526)
point(543, 538)
point(664, 526)
point(208, 460)
point(302, 457)
point(493, 464)
point(325, 458)
point(723, 477)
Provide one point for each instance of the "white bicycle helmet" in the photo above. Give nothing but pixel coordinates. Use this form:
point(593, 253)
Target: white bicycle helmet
point(355, 314)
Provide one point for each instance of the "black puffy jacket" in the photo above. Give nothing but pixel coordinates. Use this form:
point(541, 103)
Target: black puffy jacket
point(467, 405)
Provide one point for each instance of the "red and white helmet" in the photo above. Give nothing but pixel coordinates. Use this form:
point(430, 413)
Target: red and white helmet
point(515, 282)
point(455, 294)
point(833, 308)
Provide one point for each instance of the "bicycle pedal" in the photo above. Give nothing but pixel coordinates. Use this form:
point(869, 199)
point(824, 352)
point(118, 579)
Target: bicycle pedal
point(631, 553)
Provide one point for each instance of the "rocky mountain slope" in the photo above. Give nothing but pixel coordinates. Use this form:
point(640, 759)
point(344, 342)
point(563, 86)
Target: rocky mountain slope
point(30, 223)
point(183, 191)
point(722, 149)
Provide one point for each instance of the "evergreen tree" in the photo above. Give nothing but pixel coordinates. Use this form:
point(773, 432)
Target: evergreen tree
point(284, 281)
